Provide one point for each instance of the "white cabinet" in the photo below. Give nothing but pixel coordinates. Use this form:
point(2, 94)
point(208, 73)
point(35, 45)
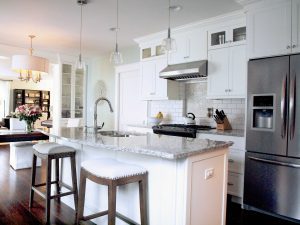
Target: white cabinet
point(152, 86)
point(227, 36)
point(190, 46)
point(236, 162)
point(227, 72)
point(72, 91)
point(273, 28)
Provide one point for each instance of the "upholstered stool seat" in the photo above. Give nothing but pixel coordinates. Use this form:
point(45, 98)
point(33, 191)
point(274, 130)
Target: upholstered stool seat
point(51, 148)
point(48, 152)
point(113, 173)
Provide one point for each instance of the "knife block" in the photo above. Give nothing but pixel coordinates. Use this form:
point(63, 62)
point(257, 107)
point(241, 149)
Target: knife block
point(225, 125)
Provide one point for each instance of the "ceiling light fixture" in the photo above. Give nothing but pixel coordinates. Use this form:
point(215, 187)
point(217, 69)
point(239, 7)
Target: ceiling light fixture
point(30, 67)
point(116, 56)
point(169, 43)
point(80, 64)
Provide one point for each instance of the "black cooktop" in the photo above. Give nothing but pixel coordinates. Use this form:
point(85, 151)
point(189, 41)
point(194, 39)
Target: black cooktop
point(181, 130)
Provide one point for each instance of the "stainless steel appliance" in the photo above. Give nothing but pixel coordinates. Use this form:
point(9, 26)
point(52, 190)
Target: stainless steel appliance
point(181, 130)
point(272, 168)
point(185, 71)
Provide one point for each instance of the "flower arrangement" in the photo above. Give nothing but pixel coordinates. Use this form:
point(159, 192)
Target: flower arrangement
point(28, 113)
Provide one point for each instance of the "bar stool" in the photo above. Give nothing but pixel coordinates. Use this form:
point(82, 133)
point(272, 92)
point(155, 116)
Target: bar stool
point(113, 173)
point(50, 151)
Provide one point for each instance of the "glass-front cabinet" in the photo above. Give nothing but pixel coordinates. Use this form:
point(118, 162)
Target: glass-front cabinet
point(72, 91)
point(227, 36)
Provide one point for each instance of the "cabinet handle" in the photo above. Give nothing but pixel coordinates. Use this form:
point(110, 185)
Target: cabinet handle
point(288, 47)
point(230, 160)
point(230, 184)
point(152, 93)
point(229, 90)
point(186, 57)
point(294, 46)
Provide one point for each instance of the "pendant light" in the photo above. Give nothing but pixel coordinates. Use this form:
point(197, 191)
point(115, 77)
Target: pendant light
point(169, 43)
point(116, 56)
point(30, 67)
point(80, 64)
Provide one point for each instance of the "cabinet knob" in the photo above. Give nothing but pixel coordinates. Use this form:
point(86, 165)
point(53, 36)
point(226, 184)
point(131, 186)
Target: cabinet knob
point(152, 93)
point(226, 90)
point(186, 57)
point(294, 46)
point(230, 184)
point(229, 90)
point(230, 160)
point(288, 47)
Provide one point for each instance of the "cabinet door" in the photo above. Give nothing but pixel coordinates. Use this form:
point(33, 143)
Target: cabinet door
point(148, 79)
point(217, 78)
point(295, 26)
point(197, 45)
point(66, 90)
point(161, 85)
point(269, 30)
point(218, 38)
point(181, 53)
point(237, 71)
point(237, 34)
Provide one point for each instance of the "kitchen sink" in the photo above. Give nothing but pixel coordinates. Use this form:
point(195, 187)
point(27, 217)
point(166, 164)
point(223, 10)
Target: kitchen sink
point(113, 133)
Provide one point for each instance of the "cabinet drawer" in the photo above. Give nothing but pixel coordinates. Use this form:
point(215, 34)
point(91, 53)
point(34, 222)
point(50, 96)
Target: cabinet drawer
point(236, 161)
point(235, 184)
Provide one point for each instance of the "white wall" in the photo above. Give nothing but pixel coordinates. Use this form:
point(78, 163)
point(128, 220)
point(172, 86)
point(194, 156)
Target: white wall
point(102, 71)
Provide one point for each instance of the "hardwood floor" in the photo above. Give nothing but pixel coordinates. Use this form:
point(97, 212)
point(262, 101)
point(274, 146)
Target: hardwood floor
point(14, 197)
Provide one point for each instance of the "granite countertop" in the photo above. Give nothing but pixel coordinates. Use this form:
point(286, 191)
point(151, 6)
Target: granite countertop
point(163, 146)
point(234, 132)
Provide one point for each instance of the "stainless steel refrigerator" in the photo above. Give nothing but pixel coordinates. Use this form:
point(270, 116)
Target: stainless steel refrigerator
point(272, 164)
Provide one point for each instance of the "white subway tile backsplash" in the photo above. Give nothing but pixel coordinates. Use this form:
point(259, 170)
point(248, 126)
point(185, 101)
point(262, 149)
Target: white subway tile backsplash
point(196, 102)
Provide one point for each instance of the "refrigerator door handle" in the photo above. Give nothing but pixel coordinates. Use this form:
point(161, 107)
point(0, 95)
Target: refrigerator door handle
point(292, 114)
point(283, 106)
point(275, 162)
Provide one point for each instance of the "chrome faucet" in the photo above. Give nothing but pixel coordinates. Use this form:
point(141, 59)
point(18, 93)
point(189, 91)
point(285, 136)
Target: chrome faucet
point(96, 127)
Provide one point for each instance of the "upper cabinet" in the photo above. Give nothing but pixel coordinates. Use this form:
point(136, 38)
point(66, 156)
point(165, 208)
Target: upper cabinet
point(227, 72)
point(191, 46)
point(273, 28)
point(72, 91)
point(227, 36)
point(152, 86)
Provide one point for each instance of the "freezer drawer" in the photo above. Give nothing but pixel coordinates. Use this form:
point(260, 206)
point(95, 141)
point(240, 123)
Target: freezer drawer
point(272, 184)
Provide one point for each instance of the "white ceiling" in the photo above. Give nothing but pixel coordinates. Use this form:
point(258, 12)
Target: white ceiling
point(56, 22)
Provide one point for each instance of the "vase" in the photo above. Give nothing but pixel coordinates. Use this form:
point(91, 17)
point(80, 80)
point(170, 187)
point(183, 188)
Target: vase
point(29, 126)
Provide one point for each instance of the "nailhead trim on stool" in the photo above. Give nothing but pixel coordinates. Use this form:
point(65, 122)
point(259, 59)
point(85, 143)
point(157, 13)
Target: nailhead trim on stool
point(113, 173)
point(48, 152)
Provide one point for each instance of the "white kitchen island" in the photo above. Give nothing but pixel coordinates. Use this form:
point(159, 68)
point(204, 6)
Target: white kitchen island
point(187, 177)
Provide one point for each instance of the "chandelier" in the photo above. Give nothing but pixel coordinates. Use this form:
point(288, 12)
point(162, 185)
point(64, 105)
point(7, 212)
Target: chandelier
point(30, 67)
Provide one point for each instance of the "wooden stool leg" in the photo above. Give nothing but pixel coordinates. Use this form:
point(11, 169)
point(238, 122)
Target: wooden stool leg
point(81, 199)
point(112, 192)
point(143, 191)
point(74, 182)
point(57, 178)
point(48, 190)
point(33, 173)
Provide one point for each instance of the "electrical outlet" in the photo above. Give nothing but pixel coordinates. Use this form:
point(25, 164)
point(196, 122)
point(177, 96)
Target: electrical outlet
point(209, 173)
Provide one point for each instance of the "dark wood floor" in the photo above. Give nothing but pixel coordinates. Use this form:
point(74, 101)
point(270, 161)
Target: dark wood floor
point(15, 192)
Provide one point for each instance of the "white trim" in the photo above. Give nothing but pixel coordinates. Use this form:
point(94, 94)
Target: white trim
point(118, 70)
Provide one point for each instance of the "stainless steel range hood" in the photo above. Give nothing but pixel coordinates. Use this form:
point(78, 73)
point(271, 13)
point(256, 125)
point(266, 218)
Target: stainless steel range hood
point(185, 71)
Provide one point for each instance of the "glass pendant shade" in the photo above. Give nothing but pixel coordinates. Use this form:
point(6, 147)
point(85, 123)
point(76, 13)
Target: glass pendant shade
point(169, 44)
point(116, 57)
point(80, 65)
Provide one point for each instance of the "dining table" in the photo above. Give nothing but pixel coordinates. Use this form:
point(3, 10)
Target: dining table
point(16, 136)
